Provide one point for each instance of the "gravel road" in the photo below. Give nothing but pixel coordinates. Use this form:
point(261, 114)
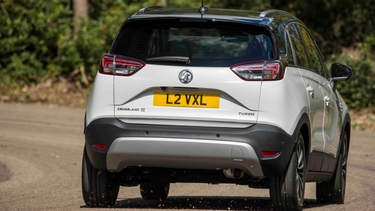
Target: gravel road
point(42, 147)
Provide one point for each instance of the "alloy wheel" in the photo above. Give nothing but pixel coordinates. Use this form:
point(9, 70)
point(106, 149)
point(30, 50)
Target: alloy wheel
point(300, 168)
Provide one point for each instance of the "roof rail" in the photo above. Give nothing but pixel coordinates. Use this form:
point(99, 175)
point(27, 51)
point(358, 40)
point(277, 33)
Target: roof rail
point(146, 9)
point(267, 13)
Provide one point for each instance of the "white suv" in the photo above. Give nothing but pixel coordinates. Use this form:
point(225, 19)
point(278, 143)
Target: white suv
point(215, 96)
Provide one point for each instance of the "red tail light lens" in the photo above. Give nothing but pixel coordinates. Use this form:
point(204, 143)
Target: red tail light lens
point(120, 65)
point(99, 146)
point(269, 153)
point(259, 71)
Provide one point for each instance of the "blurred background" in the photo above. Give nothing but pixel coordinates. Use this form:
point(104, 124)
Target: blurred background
point(50, 50)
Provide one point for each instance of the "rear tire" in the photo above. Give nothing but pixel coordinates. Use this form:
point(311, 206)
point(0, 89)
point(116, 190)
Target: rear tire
point(154, 190)
point(99, 187)
point(287, 191)
point(333, 192)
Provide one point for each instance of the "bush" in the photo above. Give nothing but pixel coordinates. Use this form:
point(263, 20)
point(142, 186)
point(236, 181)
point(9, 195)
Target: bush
point(359, 90)
point(29, 31)
point(38, 41)
point(37, 38)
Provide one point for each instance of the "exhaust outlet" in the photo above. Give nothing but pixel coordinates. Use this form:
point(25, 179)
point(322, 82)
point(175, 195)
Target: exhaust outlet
point(233, 173)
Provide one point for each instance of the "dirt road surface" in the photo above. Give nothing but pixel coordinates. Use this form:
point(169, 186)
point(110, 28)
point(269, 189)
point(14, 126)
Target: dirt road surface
point(42, 147)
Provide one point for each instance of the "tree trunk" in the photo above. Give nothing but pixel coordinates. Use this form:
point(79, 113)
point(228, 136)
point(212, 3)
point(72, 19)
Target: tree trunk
point(81, 11)
point(163, 3)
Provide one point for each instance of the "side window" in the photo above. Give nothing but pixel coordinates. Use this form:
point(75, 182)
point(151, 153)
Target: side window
point(297, 46)
point(313, 52)
point(289, 51)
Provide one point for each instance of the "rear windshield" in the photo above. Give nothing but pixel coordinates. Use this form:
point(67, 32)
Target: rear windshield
point(205, 44)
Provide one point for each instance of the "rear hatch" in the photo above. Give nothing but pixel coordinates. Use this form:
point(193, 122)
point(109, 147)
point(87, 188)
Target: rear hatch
point(189, 72)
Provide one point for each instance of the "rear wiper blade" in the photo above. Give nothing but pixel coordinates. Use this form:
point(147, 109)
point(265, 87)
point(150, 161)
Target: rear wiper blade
point(180, 59)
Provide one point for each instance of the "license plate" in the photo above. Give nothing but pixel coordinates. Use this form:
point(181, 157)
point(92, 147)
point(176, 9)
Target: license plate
point(184, 99)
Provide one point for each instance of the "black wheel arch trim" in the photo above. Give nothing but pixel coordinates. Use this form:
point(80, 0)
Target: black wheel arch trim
point(345, 128)
point(306, 132)
point(285, 160)
point(84, 123)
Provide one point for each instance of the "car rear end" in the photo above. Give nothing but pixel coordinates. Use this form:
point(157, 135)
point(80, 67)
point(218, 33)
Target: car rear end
point(182, 92)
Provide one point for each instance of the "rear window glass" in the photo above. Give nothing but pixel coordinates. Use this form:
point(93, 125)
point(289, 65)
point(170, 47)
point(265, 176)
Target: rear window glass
point(205, 44)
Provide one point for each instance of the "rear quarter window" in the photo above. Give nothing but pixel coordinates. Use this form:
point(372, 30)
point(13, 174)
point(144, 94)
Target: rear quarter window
point(206, 44)
point(298, 47)
point(313, 52)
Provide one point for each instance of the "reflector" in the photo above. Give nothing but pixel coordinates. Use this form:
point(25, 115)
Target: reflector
point(269, 153)
point(99, 146)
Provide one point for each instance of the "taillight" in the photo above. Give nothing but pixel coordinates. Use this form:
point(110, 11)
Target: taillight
point(119, 65)
point(259, 70)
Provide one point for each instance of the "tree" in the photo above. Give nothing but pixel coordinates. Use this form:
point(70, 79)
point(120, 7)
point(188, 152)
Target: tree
point(163, 3)
point(81, 12)
point(335, 23)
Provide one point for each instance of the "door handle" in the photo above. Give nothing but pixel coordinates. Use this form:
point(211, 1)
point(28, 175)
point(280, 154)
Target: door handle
point(327, 99)
point(311, 90)
point(341, 106)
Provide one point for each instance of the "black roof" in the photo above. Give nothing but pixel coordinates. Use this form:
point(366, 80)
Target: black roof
point(264, 18)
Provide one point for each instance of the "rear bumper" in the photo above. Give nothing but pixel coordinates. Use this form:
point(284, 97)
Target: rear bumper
point(185, 153)
point(188, 147)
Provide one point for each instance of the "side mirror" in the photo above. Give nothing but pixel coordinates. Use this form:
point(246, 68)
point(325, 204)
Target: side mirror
point(340, 72)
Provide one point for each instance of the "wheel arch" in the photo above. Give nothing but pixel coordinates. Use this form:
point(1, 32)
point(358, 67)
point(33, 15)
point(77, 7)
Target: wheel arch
point(303, 126)
point(84, 123)
point(346, 129)
point(282, 188)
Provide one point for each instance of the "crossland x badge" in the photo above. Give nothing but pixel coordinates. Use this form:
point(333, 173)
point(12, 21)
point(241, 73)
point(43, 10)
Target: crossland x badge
point(185, 76)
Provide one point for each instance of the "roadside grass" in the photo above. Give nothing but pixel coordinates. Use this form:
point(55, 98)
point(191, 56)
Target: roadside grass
point(363, 119)
point(56, 92)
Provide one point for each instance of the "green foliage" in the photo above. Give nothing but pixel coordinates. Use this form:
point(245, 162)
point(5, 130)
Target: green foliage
point(369, 46)
point(335, 24)
point(359, 90)
point(228, 4)
point(28, 33)
point(37, 38)
point(38, 41)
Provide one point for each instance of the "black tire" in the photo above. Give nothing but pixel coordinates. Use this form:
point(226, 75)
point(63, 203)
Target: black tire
point(154, 190)
point(287, 191)
point(333, 192)
point(99, 188)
